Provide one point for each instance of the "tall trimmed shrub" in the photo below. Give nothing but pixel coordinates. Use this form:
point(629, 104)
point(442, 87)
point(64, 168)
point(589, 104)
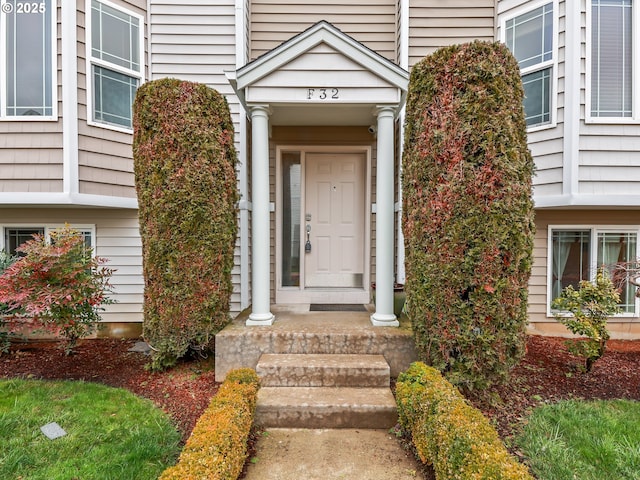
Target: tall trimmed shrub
point(184, 161)
point(467, 212)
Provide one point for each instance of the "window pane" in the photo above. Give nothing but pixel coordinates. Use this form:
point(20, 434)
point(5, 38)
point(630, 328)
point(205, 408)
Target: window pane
point(29, 54)
point(570, 259)
point(530, 36)
point(14, 237)
point(615, 248)
point(537, 97)
point(291, 219)
point(611, 54)
point(115, 36)
point(113, 96)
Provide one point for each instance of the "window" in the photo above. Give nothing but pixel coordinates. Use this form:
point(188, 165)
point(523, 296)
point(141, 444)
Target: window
point(577, 253)
point(611, 58)
point(530, 38)
point(16, 236)
point(27, 60)
point(115, 65)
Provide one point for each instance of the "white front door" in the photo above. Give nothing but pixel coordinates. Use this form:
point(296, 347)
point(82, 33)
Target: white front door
point(334, 220)
point(323, 251)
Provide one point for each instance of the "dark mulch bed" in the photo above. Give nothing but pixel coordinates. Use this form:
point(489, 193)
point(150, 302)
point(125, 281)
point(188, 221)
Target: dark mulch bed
point(547, 374)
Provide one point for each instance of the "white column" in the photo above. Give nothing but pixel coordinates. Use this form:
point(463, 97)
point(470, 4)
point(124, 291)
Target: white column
point(260, 245)
point(384, 315)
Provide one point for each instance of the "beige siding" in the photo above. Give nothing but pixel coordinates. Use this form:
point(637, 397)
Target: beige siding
point(621, 327)
point(194, 40)
point(31, 151)
point(116, 238)
point(104, 155)
point(371, 22)
point(609, 159)
point(434, 24)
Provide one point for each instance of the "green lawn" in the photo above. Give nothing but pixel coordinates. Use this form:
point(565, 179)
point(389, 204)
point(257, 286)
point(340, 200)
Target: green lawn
point(111, 434)
point(571, 440)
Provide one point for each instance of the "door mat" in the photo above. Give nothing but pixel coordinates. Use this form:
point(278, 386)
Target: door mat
point(337, 307)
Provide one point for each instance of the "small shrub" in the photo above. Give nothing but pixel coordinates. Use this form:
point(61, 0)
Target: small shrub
point(184, 164)
point(467, 212)
point(6, 261)
point(217, 447)
point(450, 434)
point(589, 307)
point(58, 287)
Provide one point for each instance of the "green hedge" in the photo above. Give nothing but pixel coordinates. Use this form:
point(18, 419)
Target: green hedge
point(184, 161)
point(217, 447)
point(467, 212)
point(450, 434)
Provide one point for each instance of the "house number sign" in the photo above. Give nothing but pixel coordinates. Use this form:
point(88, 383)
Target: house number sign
point(323, 94)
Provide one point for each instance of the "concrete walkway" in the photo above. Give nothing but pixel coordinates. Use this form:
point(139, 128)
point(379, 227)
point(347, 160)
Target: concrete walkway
point(295, 454)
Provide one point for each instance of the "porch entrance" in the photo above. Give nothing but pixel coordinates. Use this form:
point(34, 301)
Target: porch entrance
point(323, 241)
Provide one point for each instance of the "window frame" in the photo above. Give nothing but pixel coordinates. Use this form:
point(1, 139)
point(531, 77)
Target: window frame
point(53, 64)
point(594, 230)
point(635, 59)
point(51, 227)
point(92, 61)
point(552, 63)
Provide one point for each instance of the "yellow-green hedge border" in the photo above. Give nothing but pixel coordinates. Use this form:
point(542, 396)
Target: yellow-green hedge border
point(448, 432)
point(217, 447)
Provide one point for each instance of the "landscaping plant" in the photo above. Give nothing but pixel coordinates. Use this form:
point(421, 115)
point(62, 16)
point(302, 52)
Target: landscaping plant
point(448, 432)
point(467, 212)
point(184, 163)
point(217, 447)
point(57, 287)
point(5, 262)
point(584, 312)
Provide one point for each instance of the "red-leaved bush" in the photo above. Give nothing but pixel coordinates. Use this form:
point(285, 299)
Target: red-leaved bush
point(467, 212)
point(56, 287)
point(185, 171)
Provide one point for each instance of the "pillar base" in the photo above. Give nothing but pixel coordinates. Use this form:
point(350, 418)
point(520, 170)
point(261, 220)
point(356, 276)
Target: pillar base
point(384, 320)
point(258, 319)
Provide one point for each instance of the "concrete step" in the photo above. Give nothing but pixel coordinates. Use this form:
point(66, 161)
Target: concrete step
point(325, 407)
point(240, 346)
point(318, 370)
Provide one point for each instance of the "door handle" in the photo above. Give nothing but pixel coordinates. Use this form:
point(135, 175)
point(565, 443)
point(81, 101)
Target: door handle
point(307, 245)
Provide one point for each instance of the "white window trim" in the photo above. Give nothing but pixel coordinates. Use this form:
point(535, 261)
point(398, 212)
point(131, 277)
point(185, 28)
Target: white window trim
point(48, 228)
point(593, 252)
point(90, 61)
point(553, 63)
point(54, 73)
point(635, 101)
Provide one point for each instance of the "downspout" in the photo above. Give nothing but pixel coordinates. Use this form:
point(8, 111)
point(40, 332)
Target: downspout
point(70, 178)
point(403, 54)
point(241, 57)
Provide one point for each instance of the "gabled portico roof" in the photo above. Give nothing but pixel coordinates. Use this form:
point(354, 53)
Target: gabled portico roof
point(322, 32)
point(325, 34)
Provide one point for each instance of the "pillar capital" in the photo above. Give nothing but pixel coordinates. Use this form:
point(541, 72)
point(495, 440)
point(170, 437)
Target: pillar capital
point(384, 111)
point(259, 111)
